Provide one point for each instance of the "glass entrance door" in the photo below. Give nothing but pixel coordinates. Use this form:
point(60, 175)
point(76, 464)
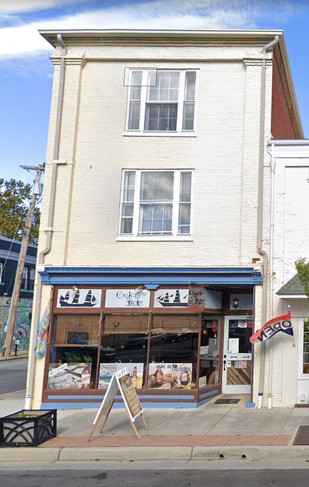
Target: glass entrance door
point(237, 355)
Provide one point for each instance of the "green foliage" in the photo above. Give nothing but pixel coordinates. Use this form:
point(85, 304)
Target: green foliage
point(302, 267)
point(15, 197)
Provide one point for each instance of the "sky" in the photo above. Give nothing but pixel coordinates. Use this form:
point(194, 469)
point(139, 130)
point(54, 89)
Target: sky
point(26, 71)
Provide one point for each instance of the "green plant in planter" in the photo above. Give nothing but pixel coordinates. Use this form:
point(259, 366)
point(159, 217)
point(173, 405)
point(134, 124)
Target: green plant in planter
point(87, 358)
point(75, 357)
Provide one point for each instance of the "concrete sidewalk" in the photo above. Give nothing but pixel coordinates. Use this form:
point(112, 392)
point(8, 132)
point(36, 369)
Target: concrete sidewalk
point(212, 431)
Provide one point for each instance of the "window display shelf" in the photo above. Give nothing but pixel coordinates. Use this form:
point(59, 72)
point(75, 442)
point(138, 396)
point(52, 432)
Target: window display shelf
point(76, 345)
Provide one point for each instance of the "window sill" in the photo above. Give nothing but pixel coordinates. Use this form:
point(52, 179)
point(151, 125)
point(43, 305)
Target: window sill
point(154, 238)
point(159, 134)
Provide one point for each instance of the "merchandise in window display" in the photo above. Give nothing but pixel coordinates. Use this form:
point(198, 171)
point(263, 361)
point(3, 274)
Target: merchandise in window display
point(69, 376)
point(170, 376)
point(107, 370)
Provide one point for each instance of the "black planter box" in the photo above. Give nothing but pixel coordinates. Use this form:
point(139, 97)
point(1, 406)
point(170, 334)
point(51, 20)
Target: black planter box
point(28, 427)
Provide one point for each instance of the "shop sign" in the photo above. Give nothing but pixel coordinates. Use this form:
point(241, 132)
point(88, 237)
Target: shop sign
point(127, 298)
point(196, 298)
point(171, 298)
point(79, 298)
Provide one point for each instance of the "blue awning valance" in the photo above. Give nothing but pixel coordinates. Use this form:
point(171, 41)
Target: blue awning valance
point(150, 277)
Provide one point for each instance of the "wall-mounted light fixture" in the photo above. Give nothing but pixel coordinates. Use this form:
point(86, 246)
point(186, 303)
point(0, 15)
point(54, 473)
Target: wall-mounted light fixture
point(235, 303)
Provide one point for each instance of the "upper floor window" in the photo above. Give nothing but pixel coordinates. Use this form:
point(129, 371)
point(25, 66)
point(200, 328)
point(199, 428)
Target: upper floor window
point(161, 101)
point(156, 203)
point(27, 283)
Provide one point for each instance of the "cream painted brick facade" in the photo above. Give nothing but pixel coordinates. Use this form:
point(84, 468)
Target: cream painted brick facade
point(224, 157)
point(233, 118)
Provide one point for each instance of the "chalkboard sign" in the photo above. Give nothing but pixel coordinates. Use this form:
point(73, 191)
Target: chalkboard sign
point(128, 393)
point(120, 381)
point(78, 337)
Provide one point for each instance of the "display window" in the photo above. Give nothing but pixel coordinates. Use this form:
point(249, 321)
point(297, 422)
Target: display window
point(209, 351)
point(162, 349)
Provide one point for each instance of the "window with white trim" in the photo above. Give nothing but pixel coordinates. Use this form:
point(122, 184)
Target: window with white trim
point(156, 203)
point(161, 101)
point(27, 282)
point(306, 347)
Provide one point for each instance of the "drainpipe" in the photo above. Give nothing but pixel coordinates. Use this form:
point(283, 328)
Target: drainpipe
point(271, 266)
point(49, 229)
point(260, 250)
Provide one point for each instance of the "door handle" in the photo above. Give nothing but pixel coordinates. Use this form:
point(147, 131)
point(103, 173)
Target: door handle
point(224, 364)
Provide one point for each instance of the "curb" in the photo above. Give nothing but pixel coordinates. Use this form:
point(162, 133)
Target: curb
point(25, 454)
point(13, 357)
point(153, 454)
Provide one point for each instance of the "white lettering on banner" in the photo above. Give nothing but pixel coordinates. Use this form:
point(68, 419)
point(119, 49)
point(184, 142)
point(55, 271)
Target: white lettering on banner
point(271, 329)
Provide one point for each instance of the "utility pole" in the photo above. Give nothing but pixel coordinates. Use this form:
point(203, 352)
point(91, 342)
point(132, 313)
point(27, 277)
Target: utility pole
point(21, 262)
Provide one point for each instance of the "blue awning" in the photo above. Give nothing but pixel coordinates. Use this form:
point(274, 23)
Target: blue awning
point(151, 277)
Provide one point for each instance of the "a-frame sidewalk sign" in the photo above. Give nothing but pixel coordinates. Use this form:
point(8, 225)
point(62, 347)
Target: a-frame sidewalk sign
point(120, 381)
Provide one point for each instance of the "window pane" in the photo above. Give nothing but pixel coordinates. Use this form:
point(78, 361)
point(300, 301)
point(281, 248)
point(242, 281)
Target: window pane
point(136, 80)
point(188, 116)
point(128, 187)
point(127, 209)
point(157, 186)
point(184, 218)
point(165, 88)
point(126, 225)
point(185, 187)
point(156, 219)
point(135, 97)
point(190, 86)
point(134, 115)
point(161, 117)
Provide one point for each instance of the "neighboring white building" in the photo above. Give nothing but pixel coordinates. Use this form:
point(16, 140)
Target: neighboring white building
point(288, 365)
point(155, 238)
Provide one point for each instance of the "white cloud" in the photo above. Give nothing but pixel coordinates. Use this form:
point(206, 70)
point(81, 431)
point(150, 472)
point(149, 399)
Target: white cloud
point(19, 6)
point(24, 40)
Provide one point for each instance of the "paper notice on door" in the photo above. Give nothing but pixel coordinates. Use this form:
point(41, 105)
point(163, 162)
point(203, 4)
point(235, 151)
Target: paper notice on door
point(241, 364)
point(233, 345)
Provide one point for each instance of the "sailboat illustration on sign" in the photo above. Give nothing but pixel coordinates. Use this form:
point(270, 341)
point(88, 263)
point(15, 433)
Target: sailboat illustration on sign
point(171, 300)
point(77, 301)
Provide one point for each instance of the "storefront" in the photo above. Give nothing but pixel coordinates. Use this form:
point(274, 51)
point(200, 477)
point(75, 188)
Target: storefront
point(182, 344)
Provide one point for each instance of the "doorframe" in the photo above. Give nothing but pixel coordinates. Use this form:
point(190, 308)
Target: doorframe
point(230, 389)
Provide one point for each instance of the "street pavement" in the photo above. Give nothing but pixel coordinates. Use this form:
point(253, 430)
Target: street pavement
point(210, 432)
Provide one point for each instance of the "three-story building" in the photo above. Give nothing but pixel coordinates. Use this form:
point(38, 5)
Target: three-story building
point(154, 243)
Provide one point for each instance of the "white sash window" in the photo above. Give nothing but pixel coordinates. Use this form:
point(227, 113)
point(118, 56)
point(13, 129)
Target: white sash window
point(161, 101)
point(156, 203)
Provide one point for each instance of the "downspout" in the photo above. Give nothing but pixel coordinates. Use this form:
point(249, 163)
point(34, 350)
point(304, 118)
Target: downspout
point(271, 265)
point(260, 250)
point(49, 229)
